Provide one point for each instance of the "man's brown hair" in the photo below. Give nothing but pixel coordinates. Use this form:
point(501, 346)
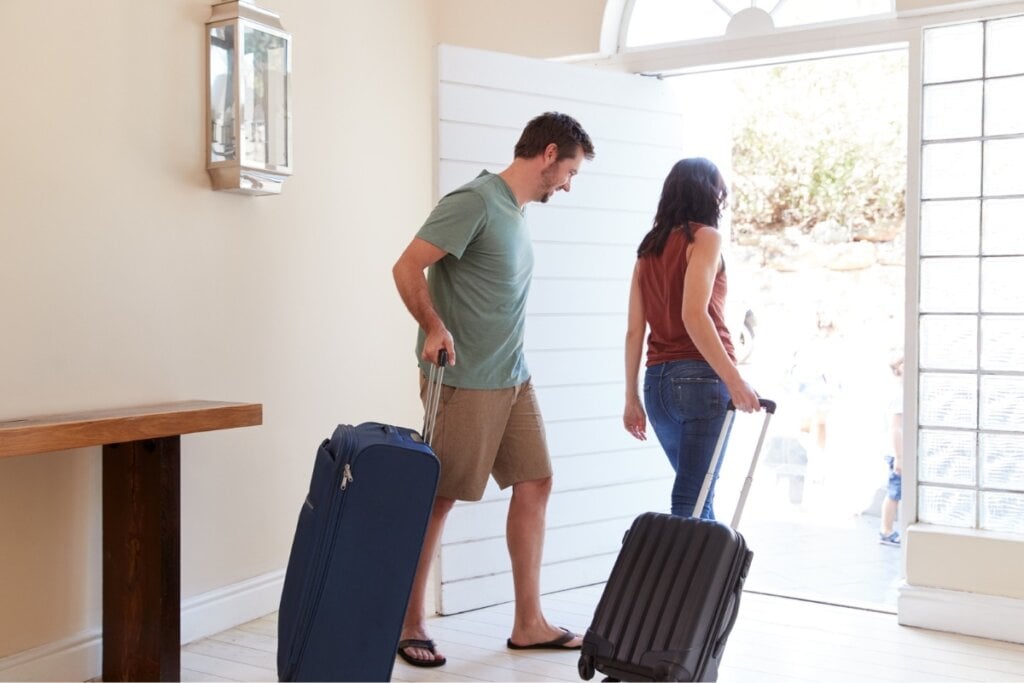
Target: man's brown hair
point(554, 127)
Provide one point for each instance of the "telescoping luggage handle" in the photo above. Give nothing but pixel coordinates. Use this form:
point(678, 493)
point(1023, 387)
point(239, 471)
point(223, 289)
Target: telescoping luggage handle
point(433, 395)
point(730, 416)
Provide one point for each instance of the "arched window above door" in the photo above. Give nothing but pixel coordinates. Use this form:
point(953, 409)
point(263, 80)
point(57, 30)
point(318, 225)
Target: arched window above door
point(654, 22)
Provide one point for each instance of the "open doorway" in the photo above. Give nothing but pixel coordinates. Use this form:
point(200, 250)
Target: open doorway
point(585, 247)
point(817, 171)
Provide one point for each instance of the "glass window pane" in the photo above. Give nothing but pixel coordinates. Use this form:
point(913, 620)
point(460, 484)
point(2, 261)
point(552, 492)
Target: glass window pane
point(948, 400)
point(1002, 342)
point(277, 94)
point(1001, 290)
point(951, 169)
point(1004, 47)
point(1003, 227)
point(1004, 106)
point(949, 285)
point(1004, 167)
point(949, 342)
point(1002, 512)
point(949, 228)
point(953, 53)
point(666, 21)
point(947, 457)
point(952, 111)
point(1002, 461)
point(222, 95)
point(264, 94)
point(949, 507)
point(1002, 402)
point(955, 400)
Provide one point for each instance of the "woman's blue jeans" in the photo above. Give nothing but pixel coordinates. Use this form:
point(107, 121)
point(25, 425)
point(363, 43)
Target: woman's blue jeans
point(686, 404)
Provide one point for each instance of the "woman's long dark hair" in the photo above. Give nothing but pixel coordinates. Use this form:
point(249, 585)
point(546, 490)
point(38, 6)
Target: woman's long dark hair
point(693, 191)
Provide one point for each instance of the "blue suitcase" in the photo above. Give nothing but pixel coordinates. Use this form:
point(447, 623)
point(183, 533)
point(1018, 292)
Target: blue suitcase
point(354, 556)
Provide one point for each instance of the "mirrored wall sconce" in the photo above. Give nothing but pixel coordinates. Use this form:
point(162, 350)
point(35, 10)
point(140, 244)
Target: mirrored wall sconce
point(249, 117)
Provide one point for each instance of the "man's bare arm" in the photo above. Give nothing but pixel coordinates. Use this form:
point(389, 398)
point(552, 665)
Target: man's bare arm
point(412, 287)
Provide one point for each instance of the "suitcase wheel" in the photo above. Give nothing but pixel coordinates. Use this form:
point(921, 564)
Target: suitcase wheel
point(586, 667)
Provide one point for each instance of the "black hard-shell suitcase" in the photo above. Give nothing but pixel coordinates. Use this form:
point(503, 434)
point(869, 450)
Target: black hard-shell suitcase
point(674, 592)
point(352, 563)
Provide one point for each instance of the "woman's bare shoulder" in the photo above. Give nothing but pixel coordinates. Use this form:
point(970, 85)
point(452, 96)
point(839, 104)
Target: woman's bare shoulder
point(707, 234)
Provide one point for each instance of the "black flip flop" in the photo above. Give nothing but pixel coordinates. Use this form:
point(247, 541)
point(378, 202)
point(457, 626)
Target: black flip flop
point(423, 644)
point(556, 644)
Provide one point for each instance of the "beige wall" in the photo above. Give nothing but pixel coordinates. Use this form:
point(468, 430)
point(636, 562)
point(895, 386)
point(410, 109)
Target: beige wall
point(126, 280)
point(533, 28)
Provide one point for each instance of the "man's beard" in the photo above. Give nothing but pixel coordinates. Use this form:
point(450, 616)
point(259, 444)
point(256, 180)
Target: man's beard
point(547, 177)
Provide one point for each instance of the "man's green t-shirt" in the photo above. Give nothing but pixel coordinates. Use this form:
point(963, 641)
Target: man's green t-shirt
point(479, 288)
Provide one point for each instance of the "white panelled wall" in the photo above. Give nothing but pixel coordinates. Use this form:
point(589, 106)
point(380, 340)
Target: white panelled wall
point(584, 244)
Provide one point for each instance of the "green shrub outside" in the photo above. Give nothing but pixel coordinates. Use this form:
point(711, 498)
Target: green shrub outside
point(821, 140)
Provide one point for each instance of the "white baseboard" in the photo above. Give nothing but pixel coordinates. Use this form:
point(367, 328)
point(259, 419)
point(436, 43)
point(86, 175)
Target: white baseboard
point(972, 614)
point(77, 658)
point(80, 657)
point(227, 607)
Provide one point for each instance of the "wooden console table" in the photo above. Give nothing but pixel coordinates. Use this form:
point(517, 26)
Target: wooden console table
point(141, 518)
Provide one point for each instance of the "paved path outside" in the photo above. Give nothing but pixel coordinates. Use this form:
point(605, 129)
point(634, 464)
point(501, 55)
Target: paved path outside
point(838, 561)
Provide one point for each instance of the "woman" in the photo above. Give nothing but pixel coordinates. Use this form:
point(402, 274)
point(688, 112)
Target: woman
point(678, 290)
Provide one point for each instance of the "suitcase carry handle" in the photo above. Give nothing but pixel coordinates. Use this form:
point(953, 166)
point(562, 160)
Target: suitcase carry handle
point(730, 417)
point(433, 395)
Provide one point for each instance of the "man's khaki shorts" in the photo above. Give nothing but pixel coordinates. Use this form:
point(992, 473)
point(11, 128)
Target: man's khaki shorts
point(481, 432)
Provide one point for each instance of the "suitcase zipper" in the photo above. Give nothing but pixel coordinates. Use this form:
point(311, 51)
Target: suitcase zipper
point(323, 554)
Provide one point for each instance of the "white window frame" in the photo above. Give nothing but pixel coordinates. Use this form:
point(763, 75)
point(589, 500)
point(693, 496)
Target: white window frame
point(626, 13)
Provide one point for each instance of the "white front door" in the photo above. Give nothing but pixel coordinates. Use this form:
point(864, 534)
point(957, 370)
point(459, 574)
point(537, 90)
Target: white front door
point(585, 245)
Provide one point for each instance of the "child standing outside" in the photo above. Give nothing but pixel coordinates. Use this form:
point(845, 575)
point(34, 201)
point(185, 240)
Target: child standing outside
point(887, 534)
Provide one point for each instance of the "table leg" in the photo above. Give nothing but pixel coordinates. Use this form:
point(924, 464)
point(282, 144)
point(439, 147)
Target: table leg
point(142, 560)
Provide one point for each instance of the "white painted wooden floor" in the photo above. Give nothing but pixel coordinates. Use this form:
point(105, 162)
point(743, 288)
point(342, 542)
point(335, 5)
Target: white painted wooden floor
point(775, 639)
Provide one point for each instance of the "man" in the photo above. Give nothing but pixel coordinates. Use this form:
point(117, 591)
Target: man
point(480, 258)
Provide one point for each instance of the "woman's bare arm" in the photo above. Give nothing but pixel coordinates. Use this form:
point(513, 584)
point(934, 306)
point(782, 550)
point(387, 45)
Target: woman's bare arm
point(634, 418)
point(702, 267)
